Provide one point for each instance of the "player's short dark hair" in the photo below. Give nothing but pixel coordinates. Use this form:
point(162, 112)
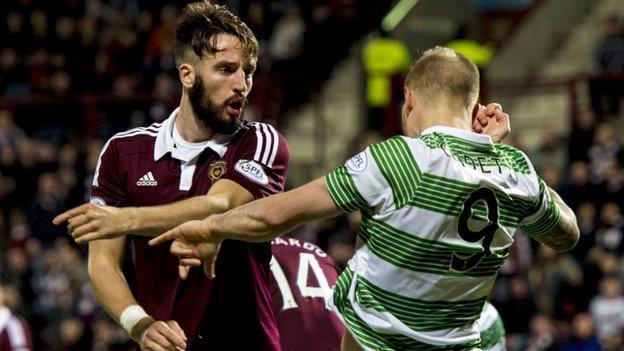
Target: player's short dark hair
point(441, 71)
point(198, 26)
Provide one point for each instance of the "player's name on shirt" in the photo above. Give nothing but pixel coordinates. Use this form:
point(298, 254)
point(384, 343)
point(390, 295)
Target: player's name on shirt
point(480, 162)
point(295, 242)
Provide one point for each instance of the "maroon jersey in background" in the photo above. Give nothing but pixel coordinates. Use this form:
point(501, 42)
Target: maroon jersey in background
point(303, 276)
point(142, 167)
point(14, 332)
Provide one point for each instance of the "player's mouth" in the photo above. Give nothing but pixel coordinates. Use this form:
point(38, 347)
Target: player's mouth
point(234, 106)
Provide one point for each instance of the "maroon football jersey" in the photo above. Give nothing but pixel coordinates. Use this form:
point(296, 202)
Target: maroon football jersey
point(143, 167)
point(303, 277)
point(14, 332)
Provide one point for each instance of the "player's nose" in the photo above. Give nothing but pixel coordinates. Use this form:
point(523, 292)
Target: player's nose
point(239, 84)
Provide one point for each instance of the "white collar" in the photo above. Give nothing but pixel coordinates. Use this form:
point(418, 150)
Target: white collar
point(164, 139)
point(5, 315)
point(460, 133)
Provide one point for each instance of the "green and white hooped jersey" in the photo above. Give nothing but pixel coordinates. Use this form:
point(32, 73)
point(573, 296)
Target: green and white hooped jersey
point(490, 326)
point(438, 216)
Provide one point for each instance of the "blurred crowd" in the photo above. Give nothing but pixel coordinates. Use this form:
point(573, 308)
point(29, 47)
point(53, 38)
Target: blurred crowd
point(123, 49)
point(547, 301)
point(608, 63)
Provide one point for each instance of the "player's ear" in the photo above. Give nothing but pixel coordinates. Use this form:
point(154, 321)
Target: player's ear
point(408, 104)
point(186, 72)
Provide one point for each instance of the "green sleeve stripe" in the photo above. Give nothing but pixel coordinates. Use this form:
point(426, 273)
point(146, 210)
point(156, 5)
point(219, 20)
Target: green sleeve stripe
point(398, 166)
point(343, 190)
point(547, 221)
point(493, 335)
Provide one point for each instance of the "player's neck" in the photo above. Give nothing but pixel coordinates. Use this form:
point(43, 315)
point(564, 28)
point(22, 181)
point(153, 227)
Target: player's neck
point(189, 127)
point(443, 116)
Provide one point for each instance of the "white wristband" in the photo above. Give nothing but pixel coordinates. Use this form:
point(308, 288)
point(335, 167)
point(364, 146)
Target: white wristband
point(130, 316)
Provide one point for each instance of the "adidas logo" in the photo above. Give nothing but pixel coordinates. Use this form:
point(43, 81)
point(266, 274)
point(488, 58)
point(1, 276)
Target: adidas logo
point(147, 180)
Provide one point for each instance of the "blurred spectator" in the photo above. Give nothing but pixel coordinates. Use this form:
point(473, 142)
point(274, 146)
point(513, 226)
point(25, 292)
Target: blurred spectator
point(582, 136)
point(607, 311)
point(519, 307)
point(551, 150)
point(572, 293)
point(15, 333)
point(609, 56)
point(578, 186)
point(12, 73)
point(544, 275)
point(257, 17)
point(73, 336)
point(383, 58)
point(542, 334)
point(19, 275)
point(605, 151)
point(551, 173)
point(608, 59)
point(586, 215)
point(44, 207)
point(286, 42)
point(107, 336)
point(319, 53)
point(10, 135)
point(14, 30)
point(159, 50)
point(610, 235)
point(285, 48)
point(601, 264)
point(613, 185)
point(583, 337)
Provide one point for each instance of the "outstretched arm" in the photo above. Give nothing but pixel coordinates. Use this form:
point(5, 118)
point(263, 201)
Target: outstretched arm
point(92, 222)
point(266, 219)
point(223, 196)
point(260, 220)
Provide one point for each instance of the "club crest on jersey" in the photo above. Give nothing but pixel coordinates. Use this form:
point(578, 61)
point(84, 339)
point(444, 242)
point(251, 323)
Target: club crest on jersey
point(216, 170)
point(358, 163)
point(252, 170)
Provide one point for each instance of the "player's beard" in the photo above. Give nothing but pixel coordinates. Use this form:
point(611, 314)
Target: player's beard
point(209, 113)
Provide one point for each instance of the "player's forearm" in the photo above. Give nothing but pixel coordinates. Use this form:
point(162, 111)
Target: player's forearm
point(265, 219)
point(565, 234)
point(255, 222)
point(110, 286)
point(154, 220)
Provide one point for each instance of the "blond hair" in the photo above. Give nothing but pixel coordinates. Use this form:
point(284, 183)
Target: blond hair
point(443, 73)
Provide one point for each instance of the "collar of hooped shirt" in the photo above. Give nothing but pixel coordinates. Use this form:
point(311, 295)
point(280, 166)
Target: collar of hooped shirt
point(165, 142)
point(459, 133)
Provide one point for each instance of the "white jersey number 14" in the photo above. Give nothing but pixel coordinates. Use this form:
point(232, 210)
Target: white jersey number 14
point(306, 261)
